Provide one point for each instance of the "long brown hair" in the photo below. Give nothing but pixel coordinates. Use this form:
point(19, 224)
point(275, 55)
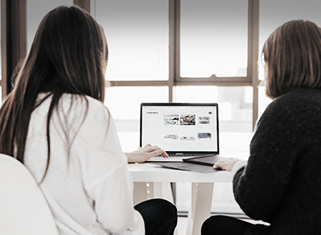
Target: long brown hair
point(68, 55)
point(292, 55)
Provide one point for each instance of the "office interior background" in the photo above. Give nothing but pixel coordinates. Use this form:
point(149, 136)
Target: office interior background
point(172, 51)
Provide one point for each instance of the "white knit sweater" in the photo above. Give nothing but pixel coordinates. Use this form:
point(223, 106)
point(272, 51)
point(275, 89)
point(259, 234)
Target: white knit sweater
point(90, 189)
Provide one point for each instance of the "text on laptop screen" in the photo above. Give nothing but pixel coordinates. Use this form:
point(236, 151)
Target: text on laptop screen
point(180, 127)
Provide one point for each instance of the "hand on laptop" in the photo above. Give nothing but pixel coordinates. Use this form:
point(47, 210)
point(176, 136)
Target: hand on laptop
point(145, 153)
point(226, 164)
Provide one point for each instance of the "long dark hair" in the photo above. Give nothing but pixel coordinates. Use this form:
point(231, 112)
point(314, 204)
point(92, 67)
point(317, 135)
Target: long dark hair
point(292, 54)
point(68, 55)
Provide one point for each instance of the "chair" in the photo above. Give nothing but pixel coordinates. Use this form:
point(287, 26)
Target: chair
point(23, 207)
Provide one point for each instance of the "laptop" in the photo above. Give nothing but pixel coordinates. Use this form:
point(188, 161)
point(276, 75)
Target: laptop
point(183, 130)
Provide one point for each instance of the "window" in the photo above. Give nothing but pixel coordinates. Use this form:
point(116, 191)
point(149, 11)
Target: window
point(36, 10)
point(213, 38)
point(145, 36)
point(295, 10)
point(138, 48)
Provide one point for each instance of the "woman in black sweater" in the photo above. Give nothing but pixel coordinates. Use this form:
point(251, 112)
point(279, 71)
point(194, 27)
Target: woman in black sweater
point(281, 182)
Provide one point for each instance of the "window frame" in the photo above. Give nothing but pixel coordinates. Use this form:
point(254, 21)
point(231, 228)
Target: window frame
point(13, 40)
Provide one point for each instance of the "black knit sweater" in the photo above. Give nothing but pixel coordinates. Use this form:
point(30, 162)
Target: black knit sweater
point(282, 181)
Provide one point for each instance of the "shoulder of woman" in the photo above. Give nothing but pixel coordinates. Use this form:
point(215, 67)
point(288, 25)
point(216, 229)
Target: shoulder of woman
point(83, 105)
point(291, 101)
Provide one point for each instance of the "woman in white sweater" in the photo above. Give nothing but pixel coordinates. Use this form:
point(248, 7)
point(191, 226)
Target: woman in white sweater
point(54, 122)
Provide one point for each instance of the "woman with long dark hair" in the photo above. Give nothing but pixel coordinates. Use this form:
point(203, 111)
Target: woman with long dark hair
point(281, 182)
point(55, 123)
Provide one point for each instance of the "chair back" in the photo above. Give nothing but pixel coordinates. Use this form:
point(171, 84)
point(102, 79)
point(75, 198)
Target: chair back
point(23, 207)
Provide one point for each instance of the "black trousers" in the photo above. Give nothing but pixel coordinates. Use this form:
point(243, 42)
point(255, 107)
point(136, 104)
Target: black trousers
point(224, 225)
point(160, 216)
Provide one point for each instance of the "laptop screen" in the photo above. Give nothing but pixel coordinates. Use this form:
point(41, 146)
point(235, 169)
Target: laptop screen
point(180, 127)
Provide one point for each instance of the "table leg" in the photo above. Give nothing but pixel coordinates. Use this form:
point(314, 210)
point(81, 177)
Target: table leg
point(140, 192)
point(163, 190)
point(202, 194)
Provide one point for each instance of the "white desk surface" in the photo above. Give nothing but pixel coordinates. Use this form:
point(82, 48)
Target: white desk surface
point(149, 172)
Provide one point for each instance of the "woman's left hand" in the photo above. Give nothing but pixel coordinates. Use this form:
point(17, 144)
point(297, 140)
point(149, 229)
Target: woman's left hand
point(145, 153)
